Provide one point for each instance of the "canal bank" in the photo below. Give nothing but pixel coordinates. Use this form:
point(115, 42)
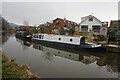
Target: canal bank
point(108, 47)
point(10, 69)
point(113, 48)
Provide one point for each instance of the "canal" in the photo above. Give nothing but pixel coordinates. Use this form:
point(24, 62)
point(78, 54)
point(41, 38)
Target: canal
point(55, 62)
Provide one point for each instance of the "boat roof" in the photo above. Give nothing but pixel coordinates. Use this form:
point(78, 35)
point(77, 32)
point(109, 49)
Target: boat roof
point(61, 35)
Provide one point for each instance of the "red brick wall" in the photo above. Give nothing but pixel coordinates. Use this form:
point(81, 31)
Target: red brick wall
point(58, 24)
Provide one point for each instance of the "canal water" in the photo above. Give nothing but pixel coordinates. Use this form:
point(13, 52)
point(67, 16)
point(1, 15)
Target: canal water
point(55, 62)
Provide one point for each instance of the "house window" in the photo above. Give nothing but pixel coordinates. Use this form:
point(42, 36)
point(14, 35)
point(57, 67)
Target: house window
point(90, 18)
point(96, 29)
point(84, 28)
point(59, 38)
point(71, 40)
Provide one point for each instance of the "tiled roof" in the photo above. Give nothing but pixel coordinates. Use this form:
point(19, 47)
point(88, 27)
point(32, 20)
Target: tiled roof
point(67, 21)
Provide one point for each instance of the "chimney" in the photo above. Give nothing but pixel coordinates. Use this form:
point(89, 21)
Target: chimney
point(64, 19)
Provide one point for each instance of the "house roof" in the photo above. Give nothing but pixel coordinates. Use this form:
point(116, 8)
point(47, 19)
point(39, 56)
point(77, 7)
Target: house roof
point(115, 23)
point(66, 21)
point(105, 24)
point(86, 17)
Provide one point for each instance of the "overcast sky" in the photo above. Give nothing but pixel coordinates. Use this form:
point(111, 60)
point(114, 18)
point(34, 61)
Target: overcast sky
point(40, 12)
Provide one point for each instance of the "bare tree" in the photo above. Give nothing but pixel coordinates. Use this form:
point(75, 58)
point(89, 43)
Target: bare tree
point(25, 23)
point(26, 26)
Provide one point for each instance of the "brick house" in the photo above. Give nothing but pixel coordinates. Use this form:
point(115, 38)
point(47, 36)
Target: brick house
point(61, 23)
point(114, 31)
point(58, 23)
point(114, 25)
point(25, 28)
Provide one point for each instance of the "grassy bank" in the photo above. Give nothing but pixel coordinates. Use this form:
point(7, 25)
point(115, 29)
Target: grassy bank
point(12, 70)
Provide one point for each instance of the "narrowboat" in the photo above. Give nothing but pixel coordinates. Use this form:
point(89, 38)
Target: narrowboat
point(76, 42)
point(23, 35)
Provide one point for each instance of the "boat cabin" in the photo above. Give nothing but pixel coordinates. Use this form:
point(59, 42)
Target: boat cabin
point(75, 40)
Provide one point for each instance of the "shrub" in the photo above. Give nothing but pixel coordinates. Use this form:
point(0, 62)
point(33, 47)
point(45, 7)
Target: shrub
point(62, 31)
point(99, 38)
point(71, 31)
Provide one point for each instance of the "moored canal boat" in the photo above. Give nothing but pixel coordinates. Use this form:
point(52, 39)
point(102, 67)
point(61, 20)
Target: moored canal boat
point(76, 42)
point(23, 35)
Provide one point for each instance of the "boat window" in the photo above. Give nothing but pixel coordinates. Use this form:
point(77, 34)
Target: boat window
point(35, 36)
point(71, 40)
point(42, 36)
point(39, 36)
point(59, 38)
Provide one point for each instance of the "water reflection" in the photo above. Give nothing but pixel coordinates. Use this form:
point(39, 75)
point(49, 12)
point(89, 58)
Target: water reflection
point(76, 56)
point(23, 42)
point(4, 36)
point(110, 60)
point(51, 52)
point(52, 61)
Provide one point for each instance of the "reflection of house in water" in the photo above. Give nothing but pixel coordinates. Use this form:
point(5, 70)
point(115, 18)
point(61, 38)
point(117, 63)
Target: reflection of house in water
point(109, 60)
point(23, 42)
point(56, 52)
point(69, 55)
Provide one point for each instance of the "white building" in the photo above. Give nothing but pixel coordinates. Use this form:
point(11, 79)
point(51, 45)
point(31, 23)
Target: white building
point(104, 28)
point(89, 23)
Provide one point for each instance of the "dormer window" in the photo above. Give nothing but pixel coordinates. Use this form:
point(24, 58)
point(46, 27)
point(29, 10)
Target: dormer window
point(90, 18)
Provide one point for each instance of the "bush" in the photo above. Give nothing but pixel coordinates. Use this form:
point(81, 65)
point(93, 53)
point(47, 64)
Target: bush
point(99, 38)
point(85, 34)
point(71, 31)
point(62, 31)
